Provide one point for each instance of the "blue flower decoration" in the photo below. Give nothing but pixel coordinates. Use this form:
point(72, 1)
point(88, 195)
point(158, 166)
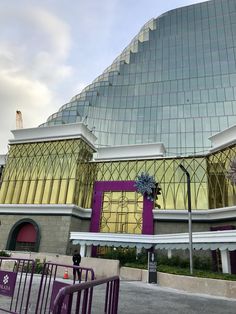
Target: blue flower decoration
point(145, 184)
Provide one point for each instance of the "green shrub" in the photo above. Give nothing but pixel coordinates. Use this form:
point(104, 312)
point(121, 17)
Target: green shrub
point(201, 263)
point(196, 273)
point(136, 265)
point(125, 255)
point(4, 254)
point(128, 257)
point(38, 266)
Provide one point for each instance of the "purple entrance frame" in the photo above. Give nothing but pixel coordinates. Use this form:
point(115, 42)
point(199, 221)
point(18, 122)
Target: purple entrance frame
point(104, 186)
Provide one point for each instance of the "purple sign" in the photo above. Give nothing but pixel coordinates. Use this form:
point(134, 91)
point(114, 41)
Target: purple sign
point(57, 285)
point(7, 282)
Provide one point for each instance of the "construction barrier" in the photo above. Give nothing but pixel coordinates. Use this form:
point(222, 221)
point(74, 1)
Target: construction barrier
point(16, 276)
point(56, 276)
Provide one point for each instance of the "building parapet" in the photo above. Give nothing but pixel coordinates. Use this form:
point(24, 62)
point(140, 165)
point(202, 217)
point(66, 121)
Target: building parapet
point(54, 133)
point(223, 139)
point(128, 152)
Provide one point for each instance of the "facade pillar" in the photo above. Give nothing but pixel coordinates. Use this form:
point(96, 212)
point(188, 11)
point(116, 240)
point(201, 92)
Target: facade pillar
point(88, 250)
point(82, 250)
point(225, 261)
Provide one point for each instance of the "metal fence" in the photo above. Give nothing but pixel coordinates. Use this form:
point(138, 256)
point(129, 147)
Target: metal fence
point(56, 276)
point(16, 276)
point(78, 298)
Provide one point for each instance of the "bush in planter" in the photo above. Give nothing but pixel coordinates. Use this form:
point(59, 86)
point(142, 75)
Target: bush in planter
point(38, 268)
point(124, 255)
point(201, 263)
point(4, 254)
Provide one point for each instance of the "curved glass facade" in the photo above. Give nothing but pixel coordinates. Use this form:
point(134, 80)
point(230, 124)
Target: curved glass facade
point(175, 83)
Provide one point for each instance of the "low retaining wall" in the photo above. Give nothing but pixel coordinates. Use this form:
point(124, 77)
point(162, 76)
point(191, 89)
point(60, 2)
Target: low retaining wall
point(127, 273)
point(214, 287)
point(102, 267)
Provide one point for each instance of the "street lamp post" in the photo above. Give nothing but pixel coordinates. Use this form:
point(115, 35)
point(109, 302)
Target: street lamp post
point(189, 218)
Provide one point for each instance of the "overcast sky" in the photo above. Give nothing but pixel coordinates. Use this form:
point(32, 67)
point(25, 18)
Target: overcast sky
point(51, 49)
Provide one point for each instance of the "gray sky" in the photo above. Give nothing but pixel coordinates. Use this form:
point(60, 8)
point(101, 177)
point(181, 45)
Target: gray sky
point(51, 49)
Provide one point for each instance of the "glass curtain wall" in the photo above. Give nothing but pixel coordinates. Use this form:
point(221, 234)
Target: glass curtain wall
point(60, 173)
point(167, 173)
point(45, 173)
point(175, 83)
point(222, 192)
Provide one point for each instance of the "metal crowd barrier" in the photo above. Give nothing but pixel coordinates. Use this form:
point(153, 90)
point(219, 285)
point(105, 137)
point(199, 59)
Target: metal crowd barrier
point(78, 298)
point(52, 281)
point(16, 276)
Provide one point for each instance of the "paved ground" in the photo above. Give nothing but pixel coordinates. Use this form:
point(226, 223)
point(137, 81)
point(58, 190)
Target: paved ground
point(141, 298)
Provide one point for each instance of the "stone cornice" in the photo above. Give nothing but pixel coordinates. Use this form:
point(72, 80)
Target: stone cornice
point(30, 209)
point(225, 213)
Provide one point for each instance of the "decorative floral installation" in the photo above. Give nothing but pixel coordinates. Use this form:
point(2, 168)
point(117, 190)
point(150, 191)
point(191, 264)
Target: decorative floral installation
point(145, 185)
point(232, 171)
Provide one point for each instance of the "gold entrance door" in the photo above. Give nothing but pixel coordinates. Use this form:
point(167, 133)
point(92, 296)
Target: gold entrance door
point(121, 212)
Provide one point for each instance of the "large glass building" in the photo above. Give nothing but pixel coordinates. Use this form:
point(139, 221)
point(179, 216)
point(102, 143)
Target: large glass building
point(174, 83)
point(168, 100)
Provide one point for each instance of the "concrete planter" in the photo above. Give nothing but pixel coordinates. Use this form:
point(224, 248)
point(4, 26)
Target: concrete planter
point(128, 273)
point(214, 287)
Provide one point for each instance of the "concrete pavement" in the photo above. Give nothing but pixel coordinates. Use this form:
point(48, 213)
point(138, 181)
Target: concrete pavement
point(140, 298)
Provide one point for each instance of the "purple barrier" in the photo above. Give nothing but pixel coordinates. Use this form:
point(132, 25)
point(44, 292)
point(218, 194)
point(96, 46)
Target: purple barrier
point(15, 284)
point(83, 297)
point(52, 281)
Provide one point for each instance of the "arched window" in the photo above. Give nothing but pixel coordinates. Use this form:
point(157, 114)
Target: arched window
point(24, 236)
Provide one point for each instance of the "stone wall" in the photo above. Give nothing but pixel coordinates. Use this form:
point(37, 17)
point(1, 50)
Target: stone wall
point(77, 225)
point(54, 231)
point(164, 227)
